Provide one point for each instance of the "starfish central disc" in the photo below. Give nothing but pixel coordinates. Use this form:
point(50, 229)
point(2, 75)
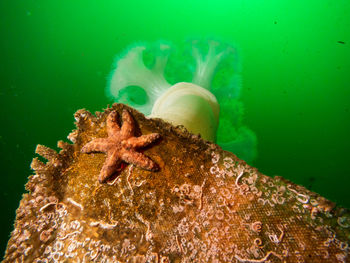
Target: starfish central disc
point(121, 146)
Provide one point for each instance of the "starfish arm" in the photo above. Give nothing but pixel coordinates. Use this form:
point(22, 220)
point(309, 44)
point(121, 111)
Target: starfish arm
point(142, 141)
point(127, 129)
point(112, 124)
point(139, 160)
point(96, 145)
point(110, 166)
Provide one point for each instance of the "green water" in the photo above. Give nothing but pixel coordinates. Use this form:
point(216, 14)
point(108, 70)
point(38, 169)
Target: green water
point(55, 56)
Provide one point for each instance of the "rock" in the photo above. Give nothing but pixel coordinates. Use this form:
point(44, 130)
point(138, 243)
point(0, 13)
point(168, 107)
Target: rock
point(203, 205)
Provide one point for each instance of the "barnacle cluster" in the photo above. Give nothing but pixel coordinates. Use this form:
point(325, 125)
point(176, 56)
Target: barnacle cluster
point(203, 205)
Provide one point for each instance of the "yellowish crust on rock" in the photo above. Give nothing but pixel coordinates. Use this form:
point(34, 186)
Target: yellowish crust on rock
point(203, 205)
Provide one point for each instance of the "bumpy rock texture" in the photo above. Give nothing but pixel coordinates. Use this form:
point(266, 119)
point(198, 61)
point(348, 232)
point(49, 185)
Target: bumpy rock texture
point(203, 205)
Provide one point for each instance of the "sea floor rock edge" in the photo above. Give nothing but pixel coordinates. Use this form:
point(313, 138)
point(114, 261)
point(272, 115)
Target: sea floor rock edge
point(203, 204)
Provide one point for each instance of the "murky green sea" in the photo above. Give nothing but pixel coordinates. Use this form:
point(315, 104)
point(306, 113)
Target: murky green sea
point(55, 56)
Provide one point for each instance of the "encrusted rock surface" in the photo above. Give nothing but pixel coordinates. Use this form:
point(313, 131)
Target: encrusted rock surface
point(203, 205)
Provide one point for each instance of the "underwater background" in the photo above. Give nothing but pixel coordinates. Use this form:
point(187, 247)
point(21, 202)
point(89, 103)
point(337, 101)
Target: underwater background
point(55, 57)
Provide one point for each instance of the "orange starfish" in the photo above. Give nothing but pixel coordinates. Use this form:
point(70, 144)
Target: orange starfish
point(121, 145)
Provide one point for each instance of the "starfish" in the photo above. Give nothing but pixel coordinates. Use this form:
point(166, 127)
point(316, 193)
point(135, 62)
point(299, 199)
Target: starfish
point(121, 145)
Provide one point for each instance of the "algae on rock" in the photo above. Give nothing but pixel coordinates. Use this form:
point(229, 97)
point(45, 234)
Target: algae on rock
point(203, 205)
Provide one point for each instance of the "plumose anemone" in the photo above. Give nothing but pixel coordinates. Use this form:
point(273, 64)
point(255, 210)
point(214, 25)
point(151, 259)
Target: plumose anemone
point(186, 88)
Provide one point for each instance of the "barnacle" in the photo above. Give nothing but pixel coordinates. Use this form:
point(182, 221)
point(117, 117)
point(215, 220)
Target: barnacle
point(192, 210)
